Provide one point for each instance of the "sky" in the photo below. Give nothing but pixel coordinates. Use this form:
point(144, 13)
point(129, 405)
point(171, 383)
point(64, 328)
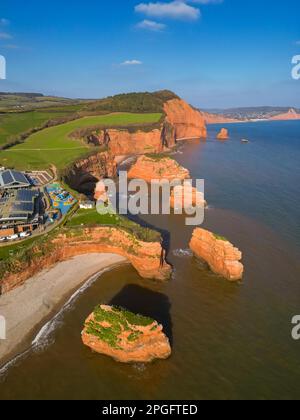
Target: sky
point(213, 53)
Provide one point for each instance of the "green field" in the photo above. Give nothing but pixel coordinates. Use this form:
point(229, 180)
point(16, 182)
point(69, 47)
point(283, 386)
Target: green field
point(17, 123)
point(55, 146)
point(93, 218)
point(16, 102)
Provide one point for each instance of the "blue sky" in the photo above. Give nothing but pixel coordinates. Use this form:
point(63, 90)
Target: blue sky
point(213, 53)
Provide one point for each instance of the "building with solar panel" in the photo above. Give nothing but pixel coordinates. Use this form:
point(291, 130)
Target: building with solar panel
point(10, 179)
point(20, 211)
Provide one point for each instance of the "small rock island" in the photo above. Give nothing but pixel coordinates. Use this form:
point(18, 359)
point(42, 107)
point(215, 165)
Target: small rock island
point(125, 336)
point(223, 134)
point(221, 256)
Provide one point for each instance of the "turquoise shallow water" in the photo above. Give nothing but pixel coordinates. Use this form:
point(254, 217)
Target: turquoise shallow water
point(230, 341)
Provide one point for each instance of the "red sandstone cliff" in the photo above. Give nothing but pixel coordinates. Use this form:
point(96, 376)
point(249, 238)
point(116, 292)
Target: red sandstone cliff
point(128, 343)
point(222, 257)
point(148, 258)
point(122, 142)
point(150, 168)
point(181, 121)
point(188, 122)
point(85, 173)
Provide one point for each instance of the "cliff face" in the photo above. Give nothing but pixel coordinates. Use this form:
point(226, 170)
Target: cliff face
point(148, 258)
point(149, 168)
point(188, 122)
point(112, 332)
point(290, 115)
point(181, 121)
point(122, 142)
point(222, 257)
point(85, 173)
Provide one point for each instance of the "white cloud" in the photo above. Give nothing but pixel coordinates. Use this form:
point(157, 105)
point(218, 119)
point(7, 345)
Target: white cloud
point(150, 25)
point(131, 63)
point(5, 35)
point(174, 10)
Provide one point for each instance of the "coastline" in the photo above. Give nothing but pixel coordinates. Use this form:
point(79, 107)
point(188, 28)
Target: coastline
point(30, 305)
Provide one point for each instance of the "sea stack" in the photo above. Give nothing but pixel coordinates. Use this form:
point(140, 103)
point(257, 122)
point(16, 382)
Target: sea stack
point(124, 336)
point(186, 194)
point(223, 134)
point(222, 257)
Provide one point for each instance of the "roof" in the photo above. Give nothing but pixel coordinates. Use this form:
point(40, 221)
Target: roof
point(19, 206)
point(13, 179)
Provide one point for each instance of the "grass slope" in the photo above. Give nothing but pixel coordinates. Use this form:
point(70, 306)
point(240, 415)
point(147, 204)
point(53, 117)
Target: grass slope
point(54, 145)
point(16, 123)
point(92, 218)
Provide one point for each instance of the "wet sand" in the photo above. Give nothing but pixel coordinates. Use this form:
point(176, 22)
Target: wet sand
point(29, 305)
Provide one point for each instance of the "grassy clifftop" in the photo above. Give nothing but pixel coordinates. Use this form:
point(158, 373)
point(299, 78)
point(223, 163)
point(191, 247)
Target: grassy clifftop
point(132, 102)
point(55, 146)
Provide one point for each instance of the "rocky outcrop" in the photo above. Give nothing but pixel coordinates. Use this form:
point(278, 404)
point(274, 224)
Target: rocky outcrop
point(181, 121)
point(222, 257)
point(188, 122)
point(186, 194)
point(123, 142)
point(124, 336)
point(157, 167)
point(85, 173)
point(223, 134)
point(148, 258)
point(290, 115)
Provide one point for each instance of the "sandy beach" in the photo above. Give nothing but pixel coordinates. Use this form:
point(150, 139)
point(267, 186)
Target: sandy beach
point(26, 307)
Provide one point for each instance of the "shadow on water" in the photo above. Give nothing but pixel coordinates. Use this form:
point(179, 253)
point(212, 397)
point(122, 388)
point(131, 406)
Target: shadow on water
point(146, 302)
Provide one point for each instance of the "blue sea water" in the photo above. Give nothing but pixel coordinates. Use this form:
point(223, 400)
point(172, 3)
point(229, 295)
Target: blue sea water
point(260, 179)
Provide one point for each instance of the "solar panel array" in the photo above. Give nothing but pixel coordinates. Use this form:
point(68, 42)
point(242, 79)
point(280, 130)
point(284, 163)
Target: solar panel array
point(19, 177)
point(11, 179)
point(24, 207)
point(26, 195)
point(19, 206)
point(7, 178)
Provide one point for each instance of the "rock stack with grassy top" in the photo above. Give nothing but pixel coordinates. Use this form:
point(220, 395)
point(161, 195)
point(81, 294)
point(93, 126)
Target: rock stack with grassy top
point(125, 336)
point(222, 257)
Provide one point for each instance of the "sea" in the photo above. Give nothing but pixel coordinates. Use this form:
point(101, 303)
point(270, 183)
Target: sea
point(229, 341)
